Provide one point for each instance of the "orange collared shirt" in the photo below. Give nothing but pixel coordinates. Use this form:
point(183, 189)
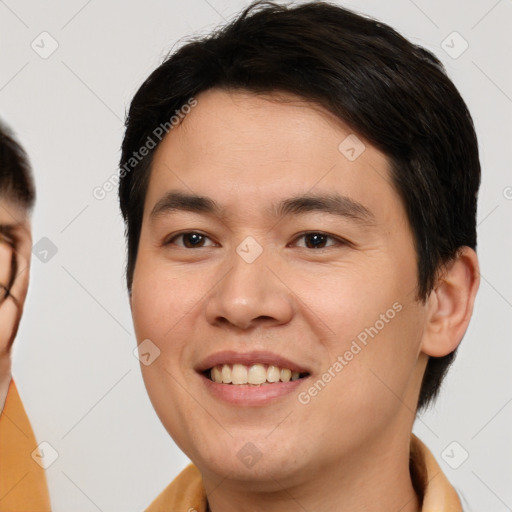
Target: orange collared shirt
point(187, 493)
point(22, 481)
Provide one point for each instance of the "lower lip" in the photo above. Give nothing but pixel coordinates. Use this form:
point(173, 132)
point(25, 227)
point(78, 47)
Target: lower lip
point(249, 394)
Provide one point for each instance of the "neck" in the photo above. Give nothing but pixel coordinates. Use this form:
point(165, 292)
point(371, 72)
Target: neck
point(369, 482)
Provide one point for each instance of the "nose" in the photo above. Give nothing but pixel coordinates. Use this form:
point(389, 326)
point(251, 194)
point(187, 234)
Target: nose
point(250, 294)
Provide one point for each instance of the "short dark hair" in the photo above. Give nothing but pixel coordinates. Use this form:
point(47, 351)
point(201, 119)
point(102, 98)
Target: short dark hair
point(392, 93)
point(16, 182)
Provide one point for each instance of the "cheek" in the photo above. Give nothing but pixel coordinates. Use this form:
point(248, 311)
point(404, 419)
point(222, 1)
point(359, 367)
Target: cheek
point(372, 321)
point(159, 311)
point(346, 300)
point(159, 298)
point(373, 383)
point(165, 303)
point(154, 308)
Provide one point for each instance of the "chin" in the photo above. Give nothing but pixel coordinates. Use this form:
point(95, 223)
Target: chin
point(254, 460)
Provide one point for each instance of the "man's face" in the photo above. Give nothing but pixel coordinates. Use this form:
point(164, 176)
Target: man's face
point(15, 245)
point(306, 263)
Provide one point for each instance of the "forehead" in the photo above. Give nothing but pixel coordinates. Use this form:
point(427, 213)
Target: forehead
point(241, 146)
point(237, 124)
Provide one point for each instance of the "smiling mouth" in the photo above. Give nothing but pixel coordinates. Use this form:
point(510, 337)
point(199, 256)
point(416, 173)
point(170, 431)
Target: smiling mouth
point(255, 374)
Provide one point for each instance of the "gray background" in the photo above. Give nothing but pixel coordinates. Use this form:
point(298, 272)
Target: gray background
point(73, 358)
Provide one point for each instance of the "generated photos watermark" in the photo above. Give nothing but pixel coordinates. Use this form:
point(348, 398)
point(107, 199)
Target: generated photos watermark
point(356, 347)
point(101, 191)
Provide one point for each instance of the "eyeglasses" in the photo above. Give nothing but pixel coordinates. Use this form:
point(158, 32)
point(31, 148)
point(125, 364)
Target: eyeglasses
point(7, 237)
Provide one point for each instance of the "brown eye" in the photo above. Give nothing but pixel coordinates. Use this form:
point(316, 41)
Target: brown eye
point(190, 240)
point(316, 240)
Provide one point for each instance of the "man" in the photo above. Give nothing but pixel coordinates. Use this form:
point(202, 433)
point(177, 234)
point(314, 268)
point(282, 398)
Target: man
point(299, 191)
point(22, 481)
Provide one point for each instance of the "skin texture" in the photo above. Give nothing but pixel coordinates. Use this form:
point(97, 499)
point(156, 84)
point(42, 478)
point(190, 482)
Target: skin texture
point(347, 449)
point(15, 240)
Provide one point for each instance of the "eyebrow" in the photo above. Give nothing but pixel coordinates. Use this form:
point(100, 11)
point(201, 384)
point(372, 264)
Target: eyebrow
point(334, 204)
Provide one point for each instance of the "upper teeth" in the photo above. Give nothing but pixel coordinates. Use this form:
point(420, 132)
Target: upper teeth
point(254, 374)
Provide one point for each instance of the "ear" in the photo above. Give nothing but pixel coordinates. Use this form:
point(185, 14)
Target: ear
point(450, 304)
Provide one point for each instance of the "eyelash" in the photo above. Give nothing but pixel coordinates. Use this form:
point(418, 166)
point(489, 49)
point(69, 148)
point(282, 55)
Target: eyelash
point(339, 241)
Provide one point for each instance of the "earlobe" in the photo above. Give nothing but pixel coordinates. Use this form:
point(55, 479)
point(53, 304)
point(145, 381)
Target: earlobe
point(451, 304)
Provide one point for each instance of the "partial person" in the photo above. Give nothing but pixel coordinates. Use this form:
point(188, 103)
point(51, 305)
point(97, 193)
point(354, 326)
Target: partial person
point(23, 485)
